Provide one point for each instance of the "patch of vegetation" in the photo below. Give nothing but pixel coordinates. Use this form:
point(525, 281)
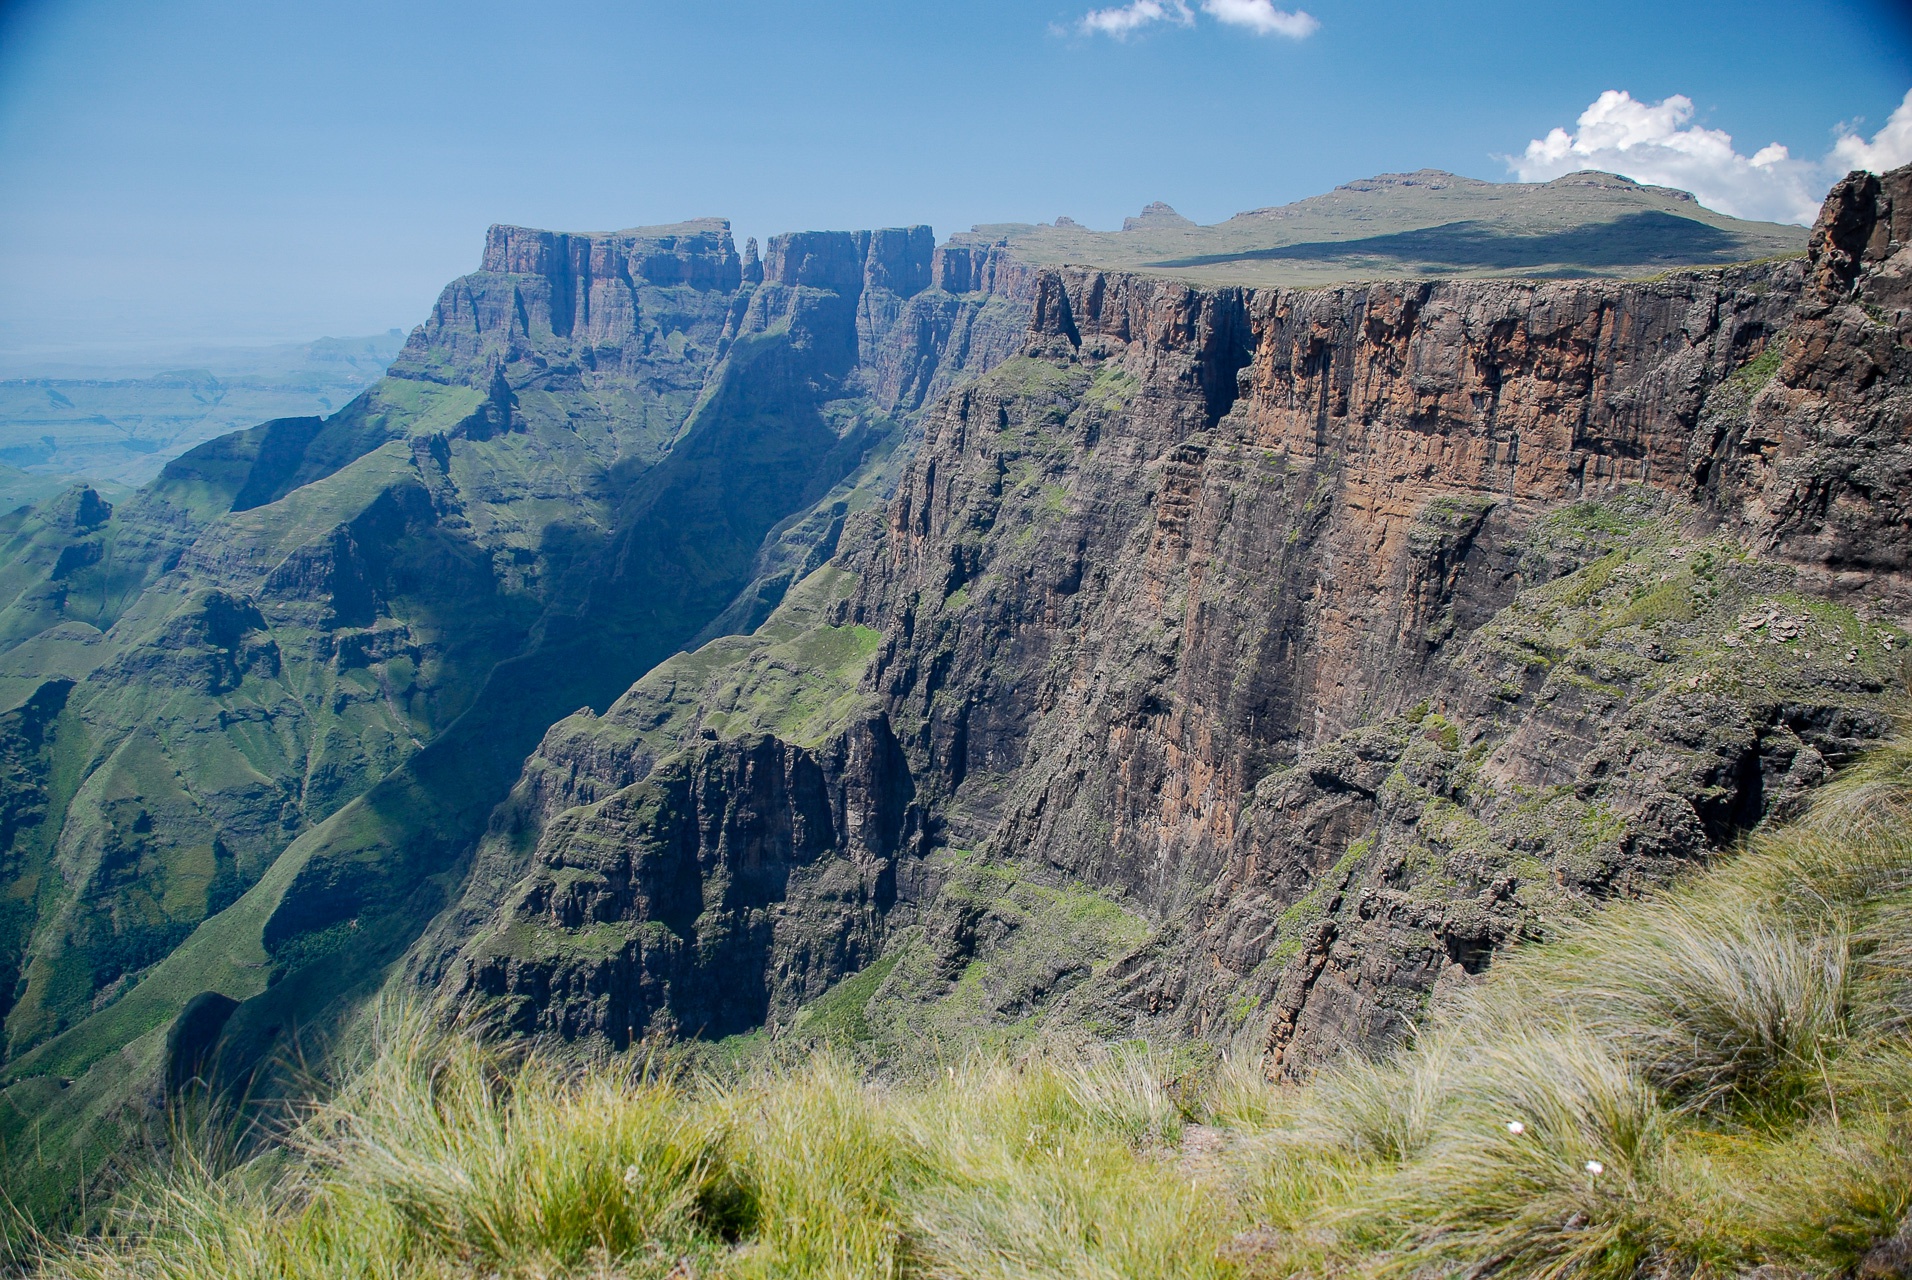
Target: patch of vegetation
point(1292, 926)
point(1027, 378)
point(841, 1014)
point(1752, 376)
point(1112, 388)
point(1015, 946)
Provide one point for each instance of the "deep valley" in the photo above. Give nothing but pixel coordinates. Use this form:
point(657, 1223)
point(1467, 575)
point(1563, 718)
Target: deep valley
point(1029, 639)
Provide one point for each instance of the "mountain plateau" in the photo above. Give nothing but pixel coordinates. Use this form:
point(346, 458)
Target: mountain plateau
point(875, 641)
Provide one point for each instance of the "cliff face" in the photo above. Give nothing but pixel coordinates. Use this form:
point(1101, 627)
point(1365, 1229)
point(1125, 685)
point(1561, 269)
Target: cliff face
point(1257, 662)
point(299, 670)
point(1239, 663)
point(1827, 450)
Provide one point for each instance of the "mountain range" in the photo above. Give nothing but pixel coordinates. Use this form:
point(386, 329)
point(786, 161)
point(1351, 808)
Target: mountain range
point(1235, 635)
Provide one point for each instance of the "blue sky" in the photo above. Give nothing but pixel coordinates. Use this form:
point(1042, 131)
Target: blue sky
point(249, 171)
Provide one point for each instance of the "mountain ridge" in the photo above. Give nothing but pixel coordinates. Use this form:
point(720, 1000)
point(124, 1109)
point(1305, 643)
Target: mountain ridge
point(1304, 244)
point(903, 476)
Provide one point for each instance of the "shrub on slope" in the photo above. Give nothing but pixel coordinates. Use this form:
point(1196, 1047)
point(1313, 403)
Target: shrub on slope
point(1704, 1083)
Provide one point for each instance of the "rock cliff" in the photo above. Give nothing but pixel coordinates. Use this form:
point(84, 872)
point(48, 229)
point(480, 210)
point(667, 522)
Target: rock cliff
point(868, 640)
point(1248, 664)
point(289, 680)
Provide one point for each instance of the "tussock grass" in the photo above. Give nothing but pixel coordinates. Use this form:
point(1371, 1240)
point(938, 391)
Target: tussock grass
point(1710, 1082)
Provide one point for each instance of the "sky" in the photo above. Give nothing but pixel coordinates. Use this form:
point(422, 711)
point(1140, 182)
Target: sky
point(252, 171)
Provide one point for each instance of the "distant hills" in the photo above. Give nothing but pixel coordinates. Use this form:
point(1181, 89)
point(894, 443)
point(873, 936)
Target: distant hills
point(1422, 224)
point(117, 421)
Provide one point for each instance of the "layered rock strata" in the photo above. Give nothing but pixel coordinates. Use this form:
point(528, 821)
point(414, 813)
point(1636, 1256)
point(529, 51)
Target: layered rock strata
point(1257, 664)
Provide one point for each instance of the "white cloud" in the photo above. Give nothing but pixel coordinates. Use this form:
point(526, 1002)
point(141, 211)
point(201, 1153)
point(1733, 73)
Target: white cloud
point(1122, 19)
point(1261, 17)
point(1890, 147)
point(1656, 143)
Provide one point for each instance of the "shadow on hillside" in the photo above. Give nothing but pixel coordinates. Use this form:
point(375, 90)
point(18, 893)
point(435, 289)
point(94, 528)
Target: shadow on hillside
point(1648, 237)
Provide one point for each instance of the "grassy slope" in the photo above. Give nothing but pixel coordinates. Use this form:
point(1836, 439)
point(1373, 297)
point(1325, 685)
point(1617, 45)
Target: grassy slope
point(1697, 1084)
point(1426, 223)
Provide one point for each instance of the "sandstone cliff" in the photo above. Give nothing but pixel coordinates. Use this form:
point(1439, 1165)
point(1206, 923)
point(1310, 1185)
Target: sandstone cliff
point(1249, 664)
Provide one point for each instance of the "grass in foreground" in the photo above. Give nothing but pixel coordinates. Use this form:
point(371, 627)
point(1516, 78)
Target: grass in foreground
point(1716, 1080)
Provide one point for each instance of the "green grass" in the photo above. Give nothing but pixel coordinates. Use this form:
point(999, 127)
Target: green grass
point(840, 1015)
point(1710, 1081)
point(1757, 372)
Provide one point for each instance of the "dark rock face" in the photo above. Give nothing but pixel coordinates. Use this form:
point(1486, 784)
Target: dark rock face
point(323, 647)
point(1343, 637)
point(1826, 458)
point(754, 873)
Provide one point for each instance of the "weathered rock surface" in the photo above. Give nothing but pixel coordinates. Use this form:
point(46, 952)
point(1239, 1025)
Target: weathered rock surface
point(1261, 661)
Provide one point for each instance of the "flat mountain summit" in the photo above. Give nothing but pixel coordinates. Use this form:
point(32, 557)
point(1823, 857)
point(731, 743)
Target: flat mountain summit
point(1428, 223)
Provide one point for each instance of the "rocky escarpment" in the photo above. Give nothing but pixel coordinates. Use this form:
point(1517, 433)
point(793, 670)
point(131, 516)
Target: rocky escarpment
point(1261, 662)
point(764, 871)
point(720, 846)
point(301, 667)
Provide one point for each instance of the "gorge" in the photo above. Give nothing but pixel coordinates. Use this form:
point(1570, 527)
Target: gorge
point(872, 642)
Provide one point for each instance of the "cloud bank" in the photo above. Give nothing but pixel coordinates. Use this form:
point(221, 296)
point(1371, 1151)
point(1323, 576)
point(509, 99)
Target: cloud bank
point(1656, 143)
point(1258, 16)
point(1890, 147)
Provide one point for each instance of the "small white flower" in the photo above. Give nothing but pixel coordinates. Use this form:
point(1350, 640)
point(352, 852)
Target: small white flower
point(632, 1174)
point(1595, 1168)
point(1516, 1128)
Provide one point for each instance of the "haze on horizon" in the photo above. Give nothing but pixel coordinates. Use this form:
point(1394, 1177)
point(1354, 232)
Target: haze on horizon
point(216, 173)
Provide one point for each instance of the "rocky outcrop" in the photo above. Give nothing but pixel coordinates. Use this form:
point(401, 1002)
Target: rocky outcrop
point(1826, 460)
point(1341, 636)
point(736, 882)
